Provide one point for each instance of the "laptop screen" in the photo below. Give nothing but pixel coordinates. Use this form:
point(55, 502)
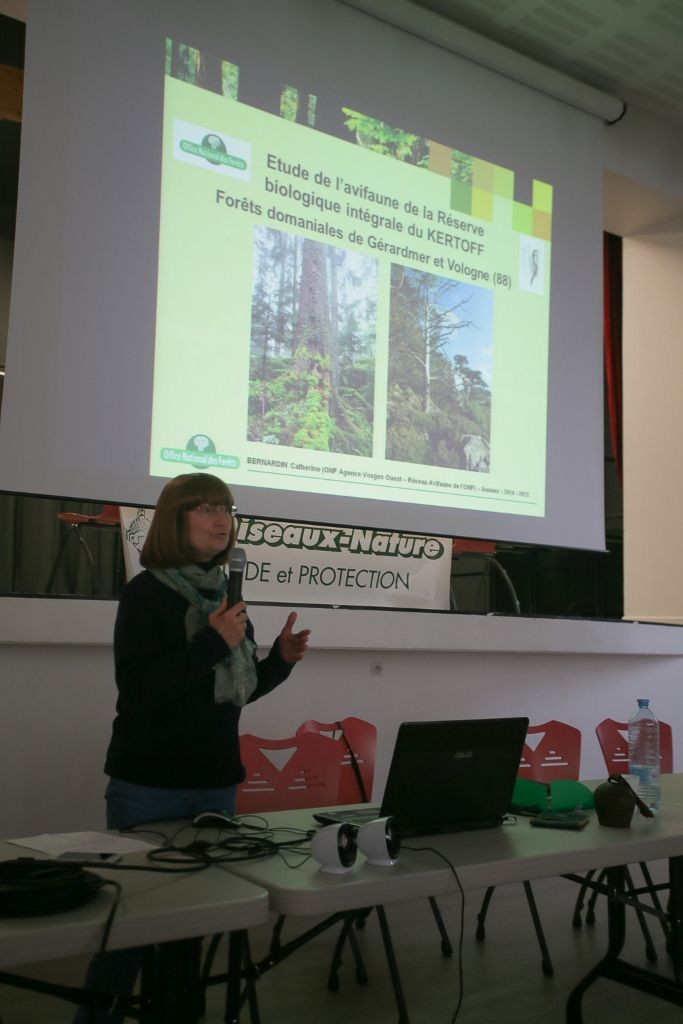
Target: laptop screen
point(453, 775)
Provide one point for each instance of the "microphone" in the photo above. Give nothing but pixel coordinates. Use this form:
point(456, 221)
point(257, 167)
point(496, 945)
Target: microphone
point(236, 564)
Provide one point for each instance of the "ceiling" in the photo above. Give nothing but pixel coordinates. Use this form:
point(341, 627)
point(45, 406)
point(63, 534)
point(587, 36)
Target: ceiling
point(632, 49)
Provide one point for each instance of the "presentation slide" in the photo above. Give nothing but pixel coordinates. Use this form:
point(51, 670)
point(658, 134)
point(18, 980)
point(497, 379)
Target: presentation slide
point(343, 307)
point(350, 271)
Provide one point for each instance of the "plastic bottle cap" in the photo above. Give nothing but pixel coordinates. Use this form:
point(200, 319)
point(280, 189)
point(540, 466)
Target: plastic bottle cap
point(643, 702)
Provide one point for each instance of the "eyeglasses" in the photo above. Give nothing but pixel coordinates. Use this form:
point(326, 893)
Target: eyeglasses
point(215, 510)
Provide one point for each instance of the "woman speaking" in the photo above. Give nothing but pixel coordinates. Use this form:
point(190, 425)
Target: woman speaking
point(185, 666)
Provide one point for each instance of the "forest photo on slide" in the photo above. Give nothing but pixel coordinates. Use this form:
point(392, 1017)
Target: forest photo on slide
point(439, 404)
point(312, 348)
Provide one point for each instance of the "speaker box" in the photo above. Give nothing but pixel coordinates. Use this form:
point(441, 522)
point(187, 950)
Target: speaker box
point(380, 841)
point(335, 848)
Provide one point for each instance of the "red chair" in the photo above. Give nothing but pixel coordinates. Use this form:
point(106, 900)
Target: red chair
point(357, 740)
point(556, 755)
point(108, 517)
point(323, 764)
point(613, 740)
point(309, 776)
point(329, 763)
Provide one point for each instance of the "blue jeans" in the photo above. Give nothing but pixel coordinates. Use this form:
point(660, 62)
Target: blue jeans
point(129, 805)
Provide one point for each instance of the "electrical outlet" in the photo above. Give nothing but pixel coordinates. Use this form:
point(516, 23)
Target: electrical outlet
point(376, 668)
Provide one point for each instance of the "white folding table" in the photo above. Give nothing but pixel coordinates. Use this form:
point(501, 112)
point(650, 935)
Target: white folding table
point(154, 908)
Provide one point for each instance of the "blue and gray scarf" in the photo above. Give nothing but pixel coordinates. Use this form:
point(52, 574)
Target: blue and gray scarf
point(235, 676)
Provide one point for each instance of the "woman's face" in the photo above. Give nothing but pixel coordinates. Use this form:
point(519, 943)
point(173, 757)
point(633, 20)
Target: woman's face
point(208, 530)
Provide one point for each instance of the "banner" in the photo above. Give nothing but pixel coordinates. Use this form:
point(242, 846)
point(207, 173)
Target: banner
point(304, 563)
point(308, 563)
point(135, 524)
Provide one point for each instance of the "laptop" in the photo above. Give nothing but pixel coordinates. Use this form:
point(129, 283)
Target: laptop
point(446, 777)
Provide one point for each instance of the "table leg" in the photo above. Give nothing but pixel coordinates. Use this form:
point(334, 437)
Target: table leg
point(234, 983)
point(393, 966)
point(615, 969)
point(616, 926)
point(174, 997)
point(676, 916)
point(250, 982)
point(239, 965)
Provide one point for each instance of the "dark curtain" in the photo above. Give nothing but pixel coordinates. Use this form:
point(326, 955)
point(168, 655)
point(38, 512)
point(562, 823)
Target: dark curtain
point(32, 536)
point(612, 323)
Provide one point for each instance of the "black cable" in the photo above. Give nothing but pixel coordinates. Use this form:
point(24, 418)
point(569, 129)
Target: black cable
point(31, 887)
point(354, 764)
point(112, 914)
point(451, 867)
point(136, 829)
point(197, 864)
point(624, 108)
point(242, 821)
point(229, 849)
point(293, 867)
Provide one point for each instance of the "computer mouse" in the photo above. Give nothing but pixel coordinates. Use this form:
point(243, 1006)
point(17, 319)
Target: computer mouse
point(215, 819)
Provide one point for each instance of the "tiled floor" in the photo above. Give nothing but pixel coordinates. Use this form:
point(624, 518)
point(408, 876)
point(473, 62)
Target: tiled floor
point(503, 980)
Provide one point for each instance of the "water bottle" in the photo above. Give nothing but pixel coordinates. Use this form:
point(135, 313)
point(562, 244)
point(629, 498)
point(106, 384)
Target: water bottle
point(643, 753)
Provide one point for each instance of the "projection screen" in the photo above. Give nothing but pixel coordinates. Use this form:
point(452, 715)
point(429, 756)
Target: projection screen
point(351, 273)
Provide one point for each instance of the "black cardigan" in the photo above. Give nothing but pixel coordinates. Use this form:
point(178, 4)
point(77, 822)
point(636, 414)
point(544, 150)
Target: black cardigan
point(168, 730)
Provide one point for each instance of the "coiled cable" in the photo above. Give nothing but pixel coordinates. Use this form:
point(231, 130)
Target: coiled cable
point(29, 887)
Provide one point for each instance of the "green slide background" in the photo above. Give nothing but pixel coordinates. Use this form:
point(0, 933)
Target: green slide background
point(201, 372)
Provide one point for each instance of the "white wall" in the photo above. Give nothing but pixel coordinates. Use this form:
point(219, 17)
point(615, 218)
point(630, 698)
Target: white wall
point(653, 428)
point(644, 204)
point(579, 689)
point(647, 151)
point(58, 698)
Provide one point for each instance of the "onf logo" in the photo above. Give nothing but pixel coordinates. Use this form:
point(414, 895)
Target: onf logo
point(211, 150)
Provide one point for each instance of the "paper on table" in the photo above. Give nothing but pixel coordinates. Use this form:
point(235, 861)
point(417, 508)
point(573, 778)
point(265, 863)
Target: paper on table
point(84, 842)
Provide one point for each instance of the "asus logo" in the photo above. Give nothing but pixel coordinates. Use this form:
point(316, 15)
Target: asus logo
point(462, 754)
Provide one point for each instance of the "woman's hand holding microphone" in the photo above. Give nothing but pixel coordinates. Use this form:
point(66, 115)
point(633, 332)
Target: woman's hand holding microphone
point(231, 622)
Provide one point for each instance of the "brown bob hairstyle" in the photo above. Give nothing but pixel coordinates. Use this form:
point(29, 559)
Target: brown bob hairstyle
point(166, 546)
